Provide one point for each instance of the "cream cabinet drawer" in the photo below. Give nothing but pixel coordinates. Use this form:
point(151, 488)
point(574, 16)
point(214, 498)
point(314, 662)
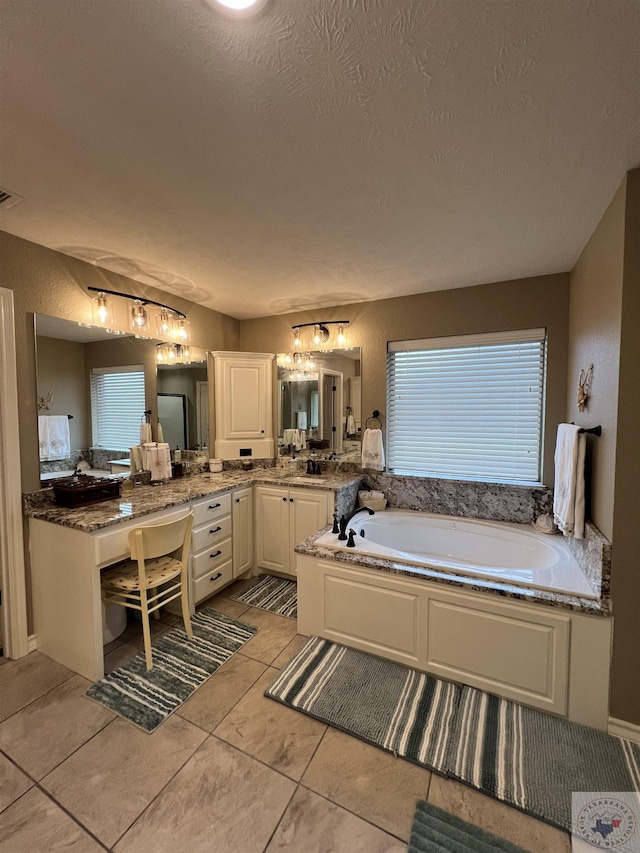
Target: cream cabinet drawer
point(210, 558)
point(211, 508)
point(209, 534)
point(213, 581)
point(113, 545)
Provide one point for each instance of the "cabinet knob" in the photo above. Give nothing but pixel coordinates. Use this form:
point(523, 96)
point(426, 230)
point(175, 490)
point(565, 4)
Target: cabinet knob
point(237, 500)
point(291, 499)
point(284, 499)
point(262, 431)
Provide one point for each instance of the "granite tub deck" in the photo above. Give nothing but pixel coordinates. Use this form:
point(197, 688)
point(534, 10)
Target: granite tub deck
point(145, 500)
point(600, 607)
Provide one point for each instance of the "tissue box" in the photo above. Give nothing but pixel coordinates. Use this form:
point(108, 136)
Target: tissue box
point(81, 490)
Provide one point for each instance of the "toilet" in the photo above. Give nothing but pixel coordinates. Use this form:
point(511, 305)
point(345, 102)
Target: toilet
point(114, 621)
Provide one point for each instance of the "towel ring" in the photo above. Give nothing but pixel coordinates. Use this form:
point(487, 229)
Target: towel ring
point(374, 417)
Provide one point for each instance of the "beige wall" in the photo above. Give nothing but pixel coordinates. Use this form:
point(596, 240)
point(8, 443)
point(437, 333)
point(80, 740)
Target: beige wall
point(604, 323)
point(527, 303)
point(594, 336)
point(47, 282)
point(625, 579)
point(61, 370)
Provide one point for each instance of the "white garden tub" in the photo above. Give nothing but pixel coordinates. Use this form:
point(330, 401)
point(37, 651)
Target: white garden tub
point(513, 554)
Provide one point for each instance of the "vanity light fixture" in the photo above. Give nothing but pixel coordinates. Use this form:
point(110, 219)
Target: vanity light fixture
point(320, 334)
point(238, 8)
point(169, 321)
point(167, 353)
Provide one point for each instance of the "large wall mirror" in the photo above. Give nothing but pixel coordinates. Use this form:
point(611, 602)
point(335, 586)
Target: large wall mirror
point(319, 403)
point(68, 355)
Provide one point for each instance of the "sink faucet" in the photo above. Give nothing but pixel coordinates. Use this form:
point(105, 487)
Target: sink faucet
point(344, 521)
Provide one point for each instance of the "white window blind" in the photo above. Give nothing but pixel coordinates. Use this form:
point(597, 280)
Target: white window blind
point(469, 407)
point(117, 406)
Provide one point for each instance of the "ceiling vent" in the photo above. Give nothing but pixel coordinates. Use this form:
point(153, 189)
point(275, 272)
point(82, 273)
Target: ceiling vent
point(9, 199)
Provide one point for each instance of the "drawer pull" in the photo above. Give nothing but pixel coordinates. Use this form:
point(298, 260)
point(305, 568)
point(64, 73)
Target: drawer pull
point(215, 530)
point(214, 506)
point(215, 554)
point(215, 577)
point(284, 499)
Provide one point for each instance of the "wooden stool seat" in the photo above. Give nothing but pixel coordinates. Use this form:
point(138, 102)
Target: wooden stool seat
point(126, 576)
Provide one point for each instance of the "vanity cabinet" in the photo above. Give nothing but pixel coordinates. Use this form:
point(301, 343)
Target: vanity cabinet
point(211, 546)
point(284, 518)
point(243, 404)
point(242, 516)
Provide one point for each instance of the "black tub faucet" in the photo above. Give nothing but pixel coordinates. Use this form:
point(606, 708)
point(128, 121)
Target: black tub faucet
point(344, 521)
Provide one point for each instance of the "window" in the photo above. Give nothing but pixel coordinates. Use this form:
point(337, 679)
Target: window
point(469, 407)
point(117, 406)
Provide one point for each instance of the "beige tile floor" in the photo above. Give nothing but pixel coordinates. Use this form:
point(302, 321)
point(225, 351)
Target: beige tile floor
point(229, 771)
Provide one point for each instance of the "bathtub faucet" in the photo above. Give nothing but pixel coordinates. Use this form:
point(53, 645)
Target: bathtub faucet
point(344, 521)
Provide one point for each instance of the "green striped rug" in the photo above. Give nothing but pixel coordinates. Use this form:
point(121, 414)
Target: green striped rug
point(277, 595)
point(401, 710)
point(526, 758)
point(436, 831)
point(534, 760)
point(180, 665)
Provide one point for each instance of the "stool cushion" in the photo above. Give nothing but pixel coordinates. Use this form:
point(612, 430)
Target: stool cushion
point(157, 571)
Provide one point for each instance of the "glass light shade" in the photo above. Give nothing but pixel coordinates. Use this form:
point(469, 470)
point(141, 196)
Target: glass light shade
point(139, 317)
point(297, 339)
point(164, 322)
point(238, 7)
point(181, 330)
point(102, 311)
point(341, 338)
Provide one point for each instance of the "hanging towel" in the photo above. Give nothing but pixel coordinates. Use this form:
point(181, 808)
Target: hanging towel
point(289, 436)
point(351, 425)
point(301, 439)
point(568, 493)
point(53, 437)
point(137, 463)
point(157, 459)
point(373, 450)
point(160, 434)
point(302, 420)
point(145, 433)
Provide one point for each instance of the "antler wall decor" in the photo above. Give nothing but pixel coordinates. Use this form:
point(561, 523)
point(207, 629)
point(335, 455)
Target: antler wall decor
point(584, 387)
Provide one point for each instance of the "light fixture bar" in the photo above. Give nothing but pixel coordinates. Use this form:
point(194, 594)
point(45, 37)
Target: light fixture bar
point(317, 323)
point(141, 299)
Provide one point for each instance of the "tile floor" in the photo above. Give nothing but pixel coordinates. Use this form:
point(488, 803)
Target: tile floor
point(229, 771)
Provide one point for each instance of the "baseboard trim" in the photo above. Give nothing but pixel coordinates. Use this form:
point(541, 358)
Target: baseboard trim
point(32, 645)
point(620, 728)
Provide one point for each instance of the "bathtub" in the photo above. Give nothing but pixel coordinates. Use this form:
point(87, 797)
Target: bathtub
point(512, 554)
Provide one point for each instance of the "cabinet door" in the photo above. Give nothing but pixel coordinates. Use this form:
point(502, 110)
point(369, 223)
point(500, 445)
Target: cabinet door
point(272, 528)
point(242, 509)
point(243, 398)
point(309, 513)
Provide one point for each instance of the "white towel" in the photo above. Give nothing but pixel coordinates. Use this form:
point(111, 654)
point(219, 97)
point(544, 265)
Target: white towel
point(568, 493)
point(351, 425)
point(157, 459)
point(160, 434)
point(145, 433)
point(53, 437)
point(289, 436)
point(137, 462)
point(302, 420)
point(372, 450)
point(301, 439)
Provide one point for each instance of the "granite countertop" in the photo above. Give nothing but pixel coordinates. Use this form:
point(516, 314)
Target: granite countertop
point(143, 500)
point(600, 607)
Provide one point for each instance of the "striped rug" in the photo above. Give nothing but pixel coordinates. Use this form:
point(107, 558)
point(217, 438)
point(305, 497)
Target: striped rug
point(526, 758)
point(436, 831)
point(534, 760)
point(403, 711)
point(270, 593)
point(180, 665)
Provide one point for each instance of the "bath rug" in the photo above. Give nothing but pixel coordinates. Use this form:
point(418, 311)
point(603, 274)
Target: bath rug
point(277, 595)
point(180, 665)
point(436, 831)
point(526, 758)
point(400, 710)
point(533, 760)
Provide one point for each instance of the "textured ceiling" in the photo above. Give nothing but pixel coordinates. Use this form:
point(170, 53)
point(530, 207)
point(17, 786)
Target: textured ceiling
point(322, 152)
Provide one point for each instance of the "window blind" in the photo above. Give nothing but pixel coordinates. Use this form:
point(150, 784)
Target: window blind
point(469, 407)
point(117, 406)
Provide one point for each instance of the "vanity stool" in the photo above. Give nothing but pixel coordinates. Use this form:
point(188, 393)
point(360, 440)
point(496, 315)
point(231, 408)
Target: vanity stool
point(159, 555)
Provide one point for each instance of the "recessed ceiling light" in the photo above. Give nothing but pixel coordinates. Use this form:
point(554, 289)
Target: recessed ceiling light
point(237, 7)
